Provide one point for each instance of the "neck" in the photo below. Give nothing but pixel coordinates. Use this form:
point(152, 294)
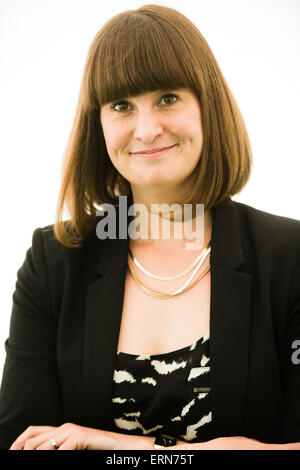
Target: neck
point(181, 230)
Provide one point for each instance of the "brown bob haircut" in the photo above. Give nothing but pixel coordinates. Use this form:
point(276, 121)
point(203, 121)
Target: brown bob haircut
point(153, 47)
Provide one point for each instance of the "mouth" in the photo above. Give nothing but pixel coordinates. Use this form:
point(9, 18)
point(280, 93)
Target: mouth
point(149, 154)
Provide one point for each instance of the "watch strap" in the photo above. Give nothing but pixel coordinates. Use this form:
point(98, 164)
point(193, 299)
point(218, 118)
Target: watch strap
point(164, 440)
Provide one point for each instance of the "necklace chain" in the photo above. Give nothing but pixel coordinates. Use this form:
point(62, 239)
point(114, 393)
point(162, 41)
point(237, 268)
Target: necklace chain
point(168, 278)
point(184, 288)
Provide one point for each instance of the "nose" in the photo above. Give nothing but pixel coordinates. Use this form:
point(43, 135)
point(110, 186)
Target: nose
point(147, 127)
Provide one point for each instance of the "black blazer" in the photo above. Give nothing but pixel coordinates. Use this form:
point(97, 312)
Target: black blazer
point(66, 317)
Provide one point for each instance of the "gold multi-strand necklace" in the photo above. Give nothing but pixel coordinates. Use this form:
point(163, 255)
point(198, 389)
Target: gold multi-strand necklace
point(186, 286)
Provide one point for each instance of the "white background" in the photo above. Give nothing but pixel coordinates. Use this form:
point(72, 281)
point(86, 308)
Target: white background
point(43, 48)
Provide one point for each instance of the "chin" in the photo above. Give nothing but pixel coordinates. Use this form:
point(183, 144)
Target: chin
point(154, 182)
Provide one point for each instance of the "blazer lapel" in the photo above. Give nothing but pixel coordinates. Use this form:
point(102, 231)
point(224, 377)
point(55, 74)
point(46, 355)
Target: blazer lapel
point(229, 325)
point(103, 319)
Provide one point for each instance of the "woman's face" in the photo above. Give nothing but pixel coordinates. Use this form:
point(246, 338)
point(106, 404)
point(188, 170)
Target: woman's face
point(151, 121)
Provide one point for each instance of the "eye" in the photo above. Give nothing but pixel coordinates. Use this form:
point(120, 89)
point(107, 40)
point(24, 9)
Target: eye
point(168, 97)
point(122, 103)
point(125, 103)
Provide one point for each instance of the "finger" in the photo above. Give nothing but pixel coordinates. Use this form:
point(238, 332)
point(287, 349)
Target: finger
point(30, 432)
point(43, 440)
point(46, 445)
point(34, 442)
point(70, 444)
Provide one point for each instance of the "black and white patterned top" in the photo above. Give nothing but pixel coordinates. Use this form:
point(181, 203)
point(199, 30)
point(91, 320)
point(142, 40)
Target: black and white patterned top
point(168, 393)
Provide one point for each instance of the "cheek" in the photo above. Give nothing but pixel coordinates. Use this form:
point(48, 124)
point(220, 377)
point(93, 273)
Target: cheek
point(178, 126)
point(188, 126)
point(114, 140)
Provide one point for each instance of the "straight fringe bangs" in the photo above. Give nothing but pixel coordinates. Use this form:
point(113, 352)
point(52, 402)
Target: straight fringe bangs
point(137, 51)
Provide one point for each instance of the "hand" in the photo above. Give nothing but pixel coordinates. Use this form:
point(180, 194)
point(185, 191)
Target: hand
point(67, 437)
point(231, 443)
point(245, 443)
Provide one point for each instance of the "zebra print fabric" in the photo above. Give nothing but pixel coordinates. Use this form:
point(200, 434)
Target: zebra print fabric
point(167, 393)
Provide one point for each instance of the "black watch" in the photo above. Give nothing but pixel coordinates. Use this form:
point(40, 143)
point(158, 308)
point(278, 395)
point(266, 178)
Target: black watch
point(163, 440)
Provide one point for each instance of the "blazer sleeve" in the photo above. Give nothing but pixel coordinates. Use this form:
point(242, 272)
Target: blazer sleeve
point(30, 392)
point(290, 431)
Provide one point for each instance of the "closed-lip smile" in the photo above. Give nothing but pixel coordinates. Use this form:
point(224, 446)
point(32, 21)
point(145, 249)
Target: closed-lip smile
point(146, 152)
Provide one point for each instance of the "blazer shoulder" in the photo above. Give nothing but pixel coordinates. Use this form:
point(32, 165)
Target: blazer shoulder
point(268, 220)
point(53, 249)
point(270, 229)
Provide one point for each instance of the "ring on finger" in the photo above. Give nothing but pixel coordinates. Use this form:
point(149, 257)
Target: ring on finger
point(53, 443)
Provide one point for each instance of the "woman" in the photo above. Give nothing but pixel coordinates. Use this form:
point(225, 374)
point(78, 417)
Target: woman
point(118, 342)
